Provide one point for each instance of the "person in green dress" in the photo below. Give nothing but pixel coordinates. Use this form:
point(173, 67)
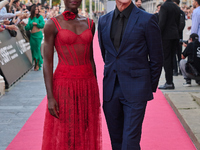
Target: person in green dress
point(35, 23)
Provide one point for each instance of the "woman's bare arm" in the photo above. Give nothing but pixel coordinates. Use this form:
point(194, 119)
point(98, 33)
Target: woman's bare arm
point(50, 32)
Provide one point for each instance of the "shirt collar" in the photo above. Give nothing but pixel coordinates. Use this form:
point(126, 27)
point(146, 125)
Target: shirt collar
point(126, 12)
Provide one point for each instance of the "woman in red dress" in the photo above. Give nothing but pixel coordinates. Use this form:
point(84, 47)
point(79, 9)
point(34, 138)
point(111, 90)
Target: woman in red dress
point(72, 120)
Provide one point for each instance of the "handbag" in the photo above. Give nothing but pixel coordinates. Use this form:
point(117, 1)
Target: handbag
point(189, 68)
point(13, 33)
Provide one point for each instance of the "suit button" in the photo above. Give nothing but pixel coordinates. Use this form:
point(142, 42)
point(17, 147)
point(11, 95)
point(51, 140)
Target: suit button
point(117, 57)
point(114, 71)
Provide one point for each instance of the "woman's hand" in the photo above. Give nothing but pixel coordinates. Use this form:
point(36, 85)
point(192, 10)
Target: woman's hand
point(53, 107)
point(34, 23)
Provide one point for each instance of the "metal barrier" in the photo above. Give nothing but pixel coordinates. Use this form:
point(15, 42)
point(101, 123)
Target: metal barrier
point(15, 57)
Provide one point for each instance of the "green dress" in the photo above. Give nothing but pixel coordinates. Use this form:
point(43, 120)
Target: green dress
point(36, 39)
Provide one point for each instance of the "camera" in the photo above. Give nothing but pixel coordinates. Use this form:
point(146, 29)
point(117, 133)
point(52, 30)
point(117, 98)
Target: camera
point(181, 41)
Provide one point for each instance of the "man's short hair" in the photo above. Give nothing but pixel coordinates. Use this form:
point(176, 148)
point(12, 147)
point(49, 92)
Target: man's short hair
point(194, 37)
point(176, 1)
point(15, 1)
point(159, 5)
point(198, 1)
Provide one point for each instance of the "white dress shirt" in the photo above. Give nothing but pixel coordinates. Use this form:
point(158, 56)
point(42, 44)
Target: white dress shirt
point(196, 21)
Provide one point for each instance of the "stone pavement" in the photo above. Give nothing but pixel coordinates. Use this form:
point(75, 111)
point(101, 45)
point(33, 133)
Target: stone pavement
point(185, 101)
point(17, 105)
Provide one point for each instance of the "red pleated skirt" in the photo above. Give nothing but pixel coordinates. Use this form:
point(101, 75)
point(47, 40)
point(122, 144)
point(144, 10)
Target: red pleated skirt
point(79, 123)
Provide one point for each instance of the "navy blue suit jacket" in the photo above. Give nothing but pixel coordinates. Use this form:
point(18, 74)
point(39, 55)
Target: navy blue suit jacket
point(139, 60)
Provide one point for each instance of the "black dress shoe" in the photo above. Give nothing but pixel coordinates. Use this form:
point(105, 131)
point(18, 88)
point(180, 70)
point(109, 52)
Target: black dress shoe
point(175, 74)
point(166, 86)
point(198, 82)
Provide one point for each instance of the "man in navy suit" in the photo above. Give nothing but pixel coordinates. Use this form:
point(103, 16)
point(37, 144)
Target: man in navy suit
point(131, 47)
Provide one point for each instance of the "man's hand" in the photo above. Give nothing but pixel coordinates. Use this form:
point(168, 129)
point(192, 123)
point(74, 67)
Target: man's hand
point(6, 22)
point(18, 14)
point(23, 23)
point(11, 2)
point(185, 45)
point(23, 16)
point(1, 29)
point(25, 11)
point(12, 27)
point(182, 57)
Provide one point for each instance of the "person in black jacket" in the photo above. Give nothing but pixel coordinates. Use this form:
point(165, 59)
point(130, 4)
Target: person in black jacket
point(169, 17)
point(138, 3)
point(192, 51)
point(177, 57)
point(157, 11)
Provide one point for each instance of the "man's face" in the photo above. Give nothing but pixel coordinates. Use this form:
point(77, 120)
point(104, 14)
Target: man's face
point(39, 7)
point(138, 3)
point(194, 3)
point(18, 3)
point(158, 8)
point(190, 40)
point(124, 1)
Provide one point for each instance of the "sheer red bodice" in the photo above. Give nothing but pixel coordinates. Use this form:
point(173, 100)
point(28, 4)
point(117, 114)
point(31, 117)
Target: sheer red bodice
point(76, 91)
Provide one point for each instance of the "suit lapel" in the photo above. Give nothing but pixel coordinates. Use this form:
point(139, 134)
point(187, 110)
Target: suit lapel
point(109, 19)
point(129, 27)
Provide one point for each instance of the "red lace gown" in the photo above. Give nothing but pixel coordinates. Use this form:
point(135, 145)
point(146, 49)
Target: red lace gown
point(76, 91)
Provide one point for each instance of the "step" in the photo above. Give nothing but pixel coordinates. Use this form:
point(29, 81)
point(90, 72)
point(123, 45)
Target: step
point(187, 108)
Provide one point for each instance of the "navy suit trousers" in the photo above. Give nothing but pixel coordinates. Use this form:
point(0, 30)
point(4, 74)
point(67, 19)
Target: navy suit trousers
point(124, 120)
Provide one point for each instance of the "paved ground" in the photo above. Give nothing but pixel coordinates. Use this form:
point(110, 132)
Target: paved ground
point(17, 105)
point(185, 103)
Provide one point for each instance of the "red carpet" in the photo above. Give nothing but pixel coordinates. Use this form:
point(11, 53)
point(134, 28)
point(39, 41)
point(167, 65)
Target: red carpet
point(161, 129)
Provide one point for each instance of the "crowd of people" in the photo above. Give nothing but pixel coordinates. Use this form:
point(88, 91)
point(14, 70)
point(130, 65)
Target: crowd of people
point(15, 15)
point(171, 20)
point(15, 11)
point(29, 19)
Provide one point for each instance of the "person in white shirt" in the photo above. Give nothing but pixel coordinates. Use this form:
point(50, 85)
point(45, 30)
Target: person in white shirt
point(196, 18)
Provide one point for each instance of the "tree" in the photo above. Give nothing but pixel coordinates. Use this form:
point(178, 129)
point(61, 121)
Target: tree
point(55, 2)
point(87, 5)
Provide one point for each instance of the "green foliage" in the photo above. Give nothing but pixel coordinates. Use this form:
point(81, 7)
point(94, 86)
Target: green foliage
point(87, 5)
point(55, 2)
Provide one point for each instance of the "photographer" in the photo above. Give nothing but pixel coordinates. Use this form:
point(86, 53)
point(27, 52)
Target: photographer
point(192, 51)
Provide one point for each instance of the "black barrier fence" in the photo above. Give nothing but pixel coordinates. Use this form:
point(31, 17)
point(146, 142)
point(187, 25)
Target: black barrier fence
point(15, 57)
